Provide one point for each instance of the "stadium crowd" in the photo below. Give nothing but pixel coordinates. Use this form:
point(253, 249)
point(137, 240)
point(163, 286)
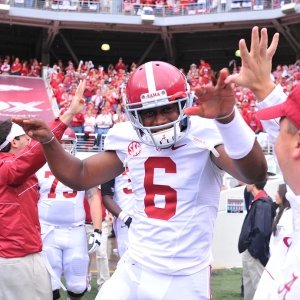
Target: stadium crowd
point(155, 7)
point(104, 94)
point(105, 88)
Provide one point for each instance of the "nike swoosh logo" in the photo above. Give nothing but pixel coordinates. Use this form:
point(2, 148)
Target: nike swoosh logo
point(177, 147)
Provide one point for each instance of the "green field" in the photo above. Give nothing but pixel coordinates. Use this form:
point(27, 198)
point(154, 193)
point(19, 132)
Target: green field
point(226, 285)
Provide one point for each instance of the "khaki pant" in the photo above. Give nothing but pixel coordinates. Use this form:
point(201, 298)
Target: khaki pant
point(24, 278)
point(252, 271)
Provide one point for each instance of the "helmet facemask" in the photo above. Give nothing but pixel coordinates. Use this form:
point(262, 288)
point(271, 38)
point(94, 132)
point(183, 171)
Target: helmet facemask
point(161, 136)
point(69, 146)
point(69, 141)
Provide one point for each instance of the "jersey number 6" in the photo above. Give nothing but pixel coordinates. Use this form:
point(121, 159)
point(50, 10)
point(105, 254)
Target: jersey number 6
point(152, 189)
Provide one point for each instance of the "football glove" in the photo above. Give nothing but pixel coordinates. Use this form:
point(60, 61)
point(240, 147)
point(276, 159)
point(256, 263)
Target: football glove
point(125, 218)
point(94, 240)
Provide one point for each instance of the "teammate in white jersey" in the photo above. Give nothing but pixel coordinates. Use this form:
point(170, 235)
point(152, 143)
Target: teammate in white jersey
point(62, 218)
point(176, 163)
point(117, 196)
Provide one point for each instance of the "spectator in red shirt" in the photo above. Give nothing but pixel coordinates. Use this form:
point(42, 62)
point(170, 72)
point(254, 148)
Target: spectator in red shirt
point(16, 67)
point(59, 94)
point(202, 65)
point(120, 65)
point(70, 68)
point(77, 123)
point(25, 68)
point(35, 69)
point(23, 273)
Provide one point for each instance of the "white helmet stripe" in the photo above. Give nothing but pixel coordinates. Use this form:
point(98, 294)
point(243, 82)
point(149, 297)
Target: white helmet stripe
point(150, 77)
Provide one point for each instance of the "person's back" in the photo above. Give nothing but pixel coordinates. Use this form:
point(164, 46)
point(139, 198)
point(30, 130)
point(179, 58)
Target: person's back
point(59, 205)
point(257, 221)
point(255, 237)
point(62, 217)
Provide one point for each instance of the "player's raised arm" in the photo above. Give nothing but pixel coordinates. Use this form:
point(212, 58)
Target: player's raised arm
point(240, 148)
point(70, 170)
point(80, 175)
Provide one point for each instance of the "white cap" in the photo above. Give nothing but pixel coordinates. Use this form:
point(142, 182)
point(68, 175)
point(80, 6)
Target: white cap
point(15, 131)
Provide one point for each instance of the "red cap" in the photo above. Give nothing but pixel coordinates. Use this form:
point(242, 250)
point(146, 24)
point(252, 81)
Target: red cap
point(290, 109)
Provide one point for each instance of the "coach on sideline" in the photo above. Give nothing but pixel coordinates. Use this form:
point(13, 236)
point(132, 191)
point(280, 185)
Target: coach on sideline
point(23, 273)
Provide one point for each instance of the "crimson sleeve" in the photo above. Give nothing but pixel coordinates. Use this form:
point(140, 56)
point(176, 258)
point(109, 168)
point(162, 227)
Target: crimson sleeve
point(17, 168)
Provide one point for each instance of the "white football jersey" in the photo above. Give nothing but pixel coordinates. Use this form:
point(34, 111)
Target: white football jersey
point(123, 194)
point(124, 197)
point(58, 204)
point(176, 192)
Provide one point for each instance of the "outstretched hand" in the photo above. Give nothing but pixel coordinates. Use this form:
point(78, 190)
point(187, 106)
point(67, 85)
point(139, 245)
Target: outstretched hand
point(213, 101)
point(34, 128)
point(39, 130)
point(256, 68)
point(78, 100)
point(76, 105)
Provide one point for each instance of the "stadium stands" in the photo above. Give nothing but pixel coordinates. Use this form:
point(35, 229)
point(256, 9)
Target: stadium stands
point(180, 33)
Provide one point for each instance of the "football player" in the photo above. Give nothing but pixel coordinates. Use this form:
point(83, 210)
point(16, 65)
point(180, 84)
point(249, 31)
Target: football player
point(117, 196)
point(177, 149)
point(62, 218)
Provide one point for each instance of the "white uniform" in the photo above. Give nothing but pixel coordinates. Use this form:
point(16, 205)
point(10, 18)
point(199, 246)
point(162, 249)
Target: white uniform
point(176, 193)
point(281, 278)
point(124, 197)
point(62, 218)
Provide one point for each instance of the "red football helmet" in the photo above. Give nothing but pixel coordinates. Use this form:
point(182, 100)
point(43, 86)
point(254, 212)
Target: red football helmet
point(69, 141)
point(152, 85)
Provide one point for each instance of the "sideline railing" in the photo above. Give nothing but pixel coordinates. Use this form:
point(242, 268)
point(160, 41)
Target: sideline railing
point(159, 10)
point(86, 142)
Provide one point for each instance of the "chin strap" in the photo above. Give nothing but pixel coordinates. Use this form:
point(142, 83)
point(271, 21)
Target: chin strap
point(204, 144)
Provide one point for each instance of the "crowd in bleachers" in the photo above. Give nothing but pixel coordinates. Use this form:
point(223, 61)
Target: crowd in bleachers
point(105, 89)
point(16, 66)
point(158, 7)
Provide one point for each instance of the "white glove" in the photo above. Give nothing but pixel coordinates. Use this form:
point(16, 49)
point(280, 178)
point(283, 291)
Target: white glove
point(94, 240)
point(125, 218)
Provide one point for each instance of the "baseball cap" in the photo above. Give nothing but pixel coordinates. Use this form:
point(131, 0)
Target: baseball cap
point(290, 109)
point(15, 131)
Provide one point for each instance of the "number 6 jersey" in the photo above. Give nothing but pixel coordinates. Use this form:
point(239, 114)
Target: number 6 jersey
point(176, 194)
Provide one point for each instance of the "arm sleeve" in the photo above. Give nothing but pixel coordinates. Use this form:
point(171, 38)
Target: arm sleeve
point(277, 96)
point(108, 188)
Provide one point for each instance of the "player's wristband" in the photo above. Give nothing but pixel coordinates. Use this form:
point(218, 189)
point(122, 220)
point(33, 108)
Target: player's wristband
point(128, 222)
point(98, 230)
point(238, 137)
